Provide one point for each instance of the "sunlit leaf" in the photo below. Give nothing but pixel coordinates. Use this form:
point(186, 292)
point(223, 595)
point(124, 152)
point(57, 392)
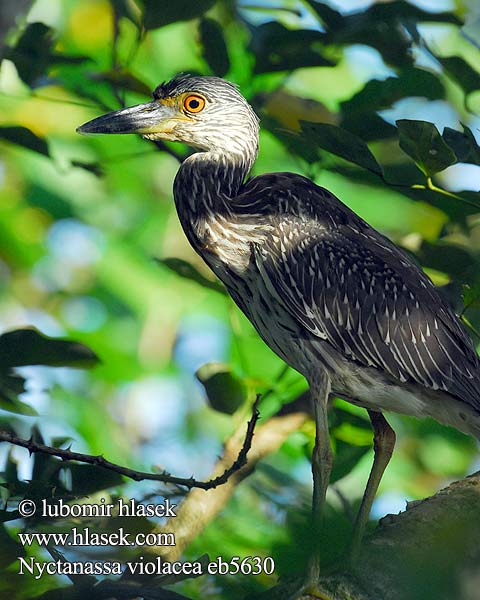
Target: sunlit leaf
point(442, 457)
point(288, 109)
point(422, 141)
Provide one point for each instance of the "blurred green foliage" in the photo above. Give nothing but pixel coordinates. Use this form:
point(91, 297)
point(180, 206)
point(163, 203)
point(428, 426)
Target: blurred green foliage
point(378, 104)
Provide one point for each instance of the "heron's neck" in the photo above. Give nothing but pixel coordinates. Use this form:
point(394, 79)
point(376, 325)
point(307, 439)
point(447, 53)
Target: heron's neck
point(206, 180)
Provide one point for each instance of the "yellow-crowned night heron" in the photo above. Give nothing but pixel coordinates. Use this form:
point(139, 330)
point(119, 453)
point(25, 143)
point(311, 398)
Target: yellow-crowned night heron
point(329, 294)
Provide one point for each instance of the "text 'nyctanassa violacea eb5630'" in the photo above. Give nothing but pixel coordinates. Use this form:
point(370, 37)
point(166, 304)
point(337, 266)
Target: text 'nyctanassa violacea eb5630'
point(329, 294)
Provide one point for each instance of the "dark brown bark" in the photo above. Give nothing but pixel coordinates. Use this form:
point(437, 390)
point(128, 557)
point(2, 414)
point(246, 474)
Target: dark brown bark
point(431, 551)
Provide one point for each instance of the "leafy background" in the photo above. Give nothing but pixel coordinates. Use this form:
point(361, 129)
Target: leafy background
point(378, 102)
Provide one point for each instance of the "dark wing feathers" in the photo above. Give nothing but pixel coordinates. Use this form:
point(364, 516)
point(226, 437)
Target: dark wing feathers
point(349, 285)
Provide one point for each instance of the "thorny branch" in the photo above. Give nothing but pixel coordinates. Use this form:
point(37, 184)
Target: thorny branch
point(66, 454)
point(198, 509)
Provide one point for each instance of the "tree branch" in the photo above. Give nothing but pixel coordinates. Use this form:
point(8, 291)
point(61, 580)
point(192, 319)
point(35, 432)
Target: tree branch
point(430, 551)
point(198, 509)
point(98, 460)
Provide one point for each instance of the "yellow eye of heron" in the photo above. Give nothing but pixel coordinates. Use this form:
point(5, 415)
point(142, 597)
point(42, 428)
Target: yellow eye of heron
point(194, 103)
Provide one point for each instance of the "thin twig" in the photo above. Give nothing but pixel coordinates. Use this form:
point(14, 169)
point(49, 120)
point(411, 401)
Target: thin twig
point(467, 323)
point(198, 509)
point(100, 461)
point(432, 187)
point(164, 148)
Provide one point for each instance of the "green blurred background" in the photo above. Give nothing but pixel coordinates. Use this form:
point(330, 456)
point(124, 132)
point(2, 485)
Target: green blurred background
point(88, 234)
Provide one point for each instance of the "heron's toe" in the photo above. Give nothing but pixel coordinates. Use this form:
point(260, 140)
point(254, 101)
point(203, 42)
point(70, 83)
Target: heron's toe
point(309, 592)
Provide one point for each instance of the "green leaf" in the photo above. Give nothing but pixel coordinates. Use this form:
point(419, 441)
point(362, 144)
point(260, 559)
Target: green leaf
point(31, 55)
point(11, 385)
point(123, 8)
point(8, 515)
point(158, 13)
point(380, 94)
point(347, 456)
point(369, 126)
point(185, 269)
point(225, 392)
point(13, 382)
point(330, 18)
point(24, 137)
point(88, 479)
point(10, 549)
point(400, 10)
point(461, 72)
point(23, 347)
point(381, 26)
point(471, 295)
point(10, 473)
point(92, 167)
point(397, 10)
point(295, 143)
point(214, 48)
point(45, 467)
point(422, 141)
point(342, 143)
point(277, 48)
point(123, 80)
point(463, 144)
point(448, 257)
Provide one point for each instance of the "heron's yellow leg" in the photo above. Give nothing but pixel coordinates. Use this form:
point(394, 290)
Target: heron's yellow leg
point(321, 468)
point(383, 444)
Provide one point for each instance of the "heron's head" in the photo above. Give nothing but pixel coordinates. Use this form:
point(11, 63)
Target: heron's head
point(203, 112)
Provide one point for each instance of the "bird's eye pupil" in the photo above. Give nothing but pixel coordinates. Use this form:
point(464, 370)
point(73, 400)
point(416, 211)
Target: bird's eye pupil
point(194, 103)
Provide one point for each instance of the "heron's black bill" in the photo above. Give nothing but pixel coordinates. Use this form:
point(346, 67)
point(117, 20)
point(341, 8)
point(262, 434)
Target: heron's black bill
point(142, 118)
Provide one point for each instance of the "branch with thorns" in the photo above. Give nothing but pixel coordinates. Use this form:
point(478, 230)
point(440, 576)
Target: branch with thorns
point(98, 460)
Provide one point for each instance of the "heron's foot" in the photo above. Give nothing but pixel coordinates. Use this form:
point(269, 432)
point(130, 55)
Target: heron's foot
point(353, 551)
point(311, 592)
point(383, 444)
